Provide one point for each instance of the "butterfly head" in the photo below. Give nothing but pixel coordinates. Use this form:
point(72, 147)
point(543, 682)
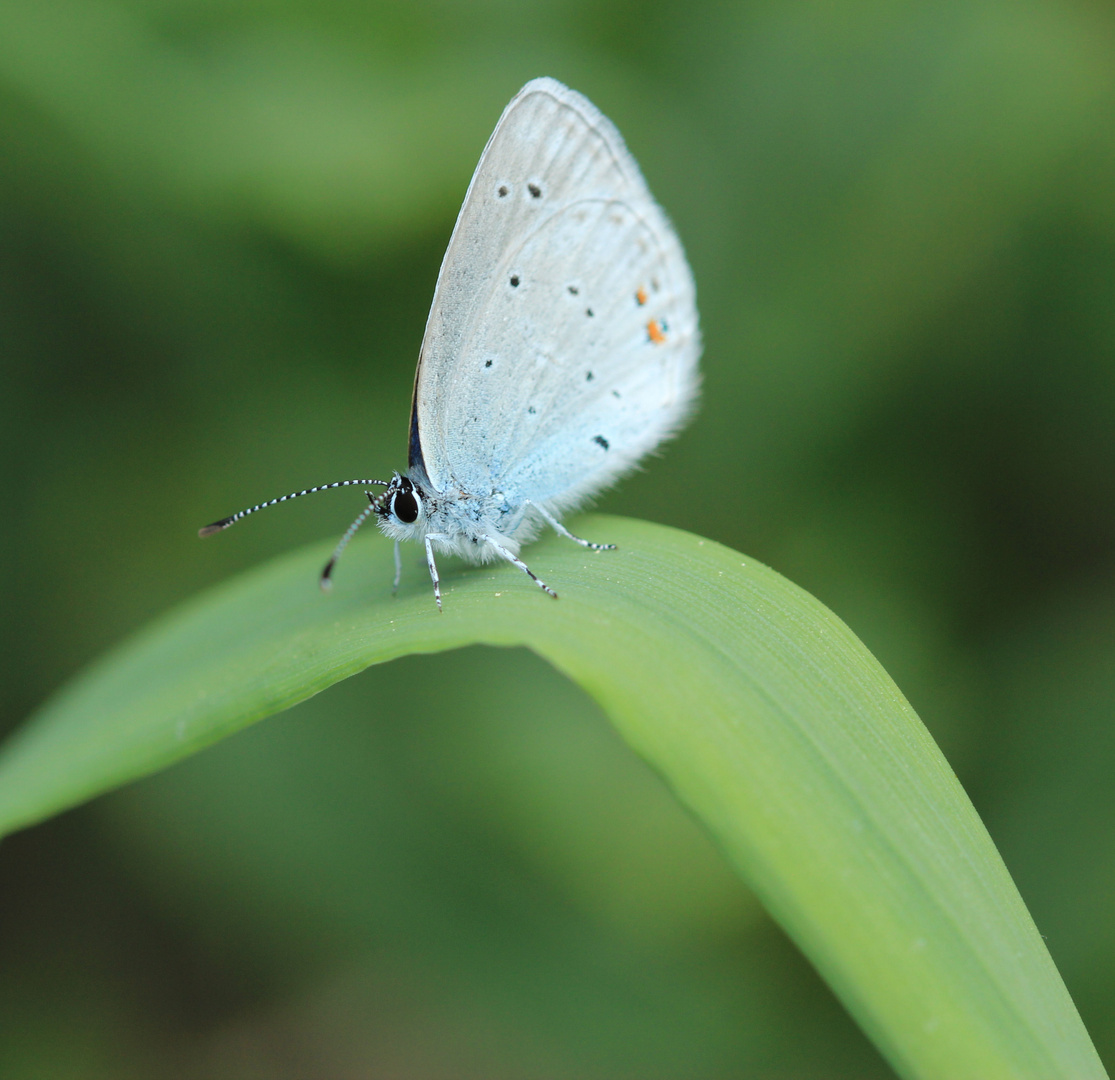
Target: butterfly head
point(401, 509)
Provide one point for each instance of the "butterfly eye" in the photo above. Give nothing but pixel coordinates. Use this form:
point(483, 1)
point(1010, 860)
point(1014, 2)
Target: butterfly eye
point(404, 505)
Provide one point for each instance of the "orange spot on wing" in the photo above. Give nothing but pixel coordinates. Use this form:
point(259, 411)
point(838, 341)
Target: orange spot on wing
point(654, 332)
point(641, 296)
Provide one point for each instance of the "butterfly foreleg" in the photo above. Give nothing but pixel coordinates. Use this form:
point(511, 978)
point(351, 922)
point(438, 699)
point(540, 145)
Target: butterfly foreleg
point(561, 530)
point(398, 568)
point(433, 565)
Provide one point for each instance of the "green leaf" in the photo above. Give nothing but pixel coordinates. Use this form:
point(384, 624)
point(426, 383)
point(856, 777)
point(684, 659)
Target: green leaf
point(768, 717)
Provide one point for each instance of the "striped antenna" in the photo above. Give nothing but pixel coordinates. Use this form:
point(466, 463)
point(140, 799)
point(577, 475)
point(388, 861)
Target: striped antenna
point(350, 532)
point(224, 523)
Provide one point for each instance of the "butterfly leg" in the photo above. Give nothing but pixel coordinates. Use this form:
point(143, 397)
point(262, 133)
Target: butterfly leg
point(563, 531)
point(398, 568)
point(433, 565)
point(515, 561)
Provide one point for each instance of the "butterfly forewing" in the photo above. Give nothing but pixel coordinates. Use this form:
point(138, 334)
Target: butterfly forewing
point(562, 343)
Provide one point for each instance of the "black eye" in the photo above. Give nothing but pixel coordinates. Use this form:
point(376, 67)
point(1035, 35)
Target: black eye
point(405, 507)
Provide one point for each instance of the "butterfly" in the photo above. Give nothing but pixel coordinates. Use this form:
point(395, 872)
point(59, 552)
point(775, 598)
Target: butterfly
point(561, 346)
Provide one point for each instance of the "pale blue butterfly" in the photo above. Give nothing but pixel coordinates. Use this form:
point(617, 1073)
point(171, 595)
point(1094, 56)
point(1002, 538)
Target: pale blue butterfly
point(561, 346)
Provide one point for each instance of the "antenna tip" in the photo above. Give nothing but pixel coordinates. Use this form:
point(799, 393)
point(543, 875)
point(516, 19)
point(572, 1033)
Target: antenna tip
point(326, 580)
point(216, 527)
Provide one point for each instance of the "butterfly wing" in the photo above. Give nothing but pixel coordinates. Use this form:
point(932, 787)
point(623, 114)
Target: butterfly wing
point(563, 340)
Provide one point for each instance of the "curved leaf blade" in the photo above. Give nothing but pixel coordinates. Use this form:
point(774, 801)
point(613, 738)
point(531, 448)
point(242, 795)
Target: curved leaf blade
point(762, 710)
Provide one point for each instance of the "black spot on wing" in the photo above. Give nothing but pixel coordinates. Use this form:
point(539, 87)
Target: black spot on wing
point(589, 376)
point(503, 191)
point(535, 191)
point(514, 281)
point(600, 441)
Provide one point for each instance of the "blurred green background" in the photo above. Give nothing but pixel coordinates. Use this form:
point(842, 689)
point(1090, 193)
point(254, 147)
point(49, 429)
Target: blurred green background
point(220, 226)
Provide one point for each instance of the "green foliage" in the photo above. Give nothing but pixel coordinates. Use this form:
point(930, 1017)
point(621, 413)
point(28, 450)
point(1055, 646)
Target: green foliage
point(761, 709)
point(220, 226)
